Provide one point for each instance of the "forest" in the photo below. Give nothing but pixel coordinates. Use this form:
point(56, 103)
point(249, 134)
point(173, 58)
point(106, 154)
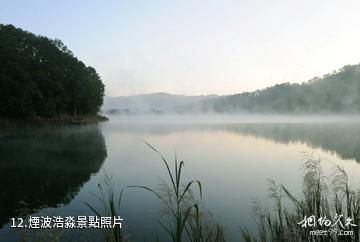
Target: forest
point(41, 78)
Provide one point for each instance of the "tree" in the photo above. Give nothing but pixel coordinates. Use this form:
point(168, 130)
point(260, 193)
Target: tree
point(40, 77)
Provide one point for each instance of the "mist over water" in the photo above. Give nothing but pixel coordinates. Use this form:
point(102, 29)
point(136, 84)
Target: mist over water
point(242, 92)
point(236, 118)
point(232, 155)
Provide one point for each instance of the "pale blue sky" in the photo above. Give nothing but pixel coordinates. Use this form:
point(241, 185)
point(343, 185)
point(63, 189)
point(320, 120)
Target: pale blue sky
point(194, 46)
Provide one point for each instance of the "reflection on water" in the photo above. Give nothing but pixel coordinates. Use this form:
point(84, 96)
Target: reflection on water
point(60, 166)
point(46, 166)
point(340, 138)
point(233, 161)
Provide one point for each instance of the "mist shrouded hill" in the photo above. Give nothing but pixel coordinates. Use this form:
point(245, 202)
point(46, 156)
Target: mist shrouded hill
point(154, 103)
point(338, 92)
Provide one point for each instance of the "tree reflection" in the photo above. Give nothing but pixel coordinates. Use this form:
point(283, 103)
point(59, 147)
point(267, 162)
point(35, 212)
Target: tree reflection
point(46, 166)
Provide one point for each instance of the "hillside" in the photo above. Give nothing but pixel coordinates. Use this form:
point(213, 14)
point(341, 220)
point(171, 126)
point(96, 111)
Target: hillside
point(41, 78)
point(338, 92)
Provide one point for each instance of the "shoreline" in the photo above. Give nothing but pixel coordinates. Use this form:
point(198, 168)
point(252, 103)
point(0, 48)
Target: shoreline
point(39, 122)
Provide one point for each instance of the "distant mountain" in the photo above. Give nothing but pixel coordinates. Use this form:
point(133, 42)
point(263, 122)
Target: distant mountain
point(154, 103)
point(338, 92)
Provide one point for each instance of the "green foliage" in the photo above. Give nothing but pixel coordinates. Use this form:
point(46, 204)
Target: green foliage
point(40, 77)
point(338, 92)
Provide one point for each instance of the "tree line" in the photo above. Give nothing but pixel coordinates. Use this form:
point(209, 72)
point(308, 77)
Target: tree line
point(338, 92)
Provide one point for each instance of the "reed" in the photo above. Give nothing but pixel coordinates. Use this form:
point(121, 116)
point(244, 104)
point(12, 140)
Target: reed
point(186, 217)
point(176, 199)
point(110, 204)
point(322, 196)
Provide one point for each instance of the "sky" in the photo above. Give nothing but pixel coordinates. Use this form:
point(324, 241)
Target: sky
point(196, 47)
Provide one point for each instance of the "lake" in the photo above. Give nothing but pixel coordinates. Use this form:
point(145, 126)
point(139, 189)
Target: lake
point(53, 170)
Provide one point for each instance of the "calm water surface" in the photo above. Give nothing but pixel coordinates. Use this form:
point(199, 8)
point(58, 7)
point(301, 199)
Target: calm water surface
point(55, 169)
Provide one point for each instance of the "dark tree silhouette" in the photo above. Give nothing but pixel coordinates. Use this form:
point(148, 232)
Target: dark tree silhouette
point(40, 77)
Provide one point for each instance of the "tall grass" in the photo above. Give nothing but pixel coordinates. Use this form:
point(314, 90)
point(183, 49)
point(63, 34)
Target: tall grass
point(322, 196)
point(109, 207)
point(184, 218)
point(183, 212)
